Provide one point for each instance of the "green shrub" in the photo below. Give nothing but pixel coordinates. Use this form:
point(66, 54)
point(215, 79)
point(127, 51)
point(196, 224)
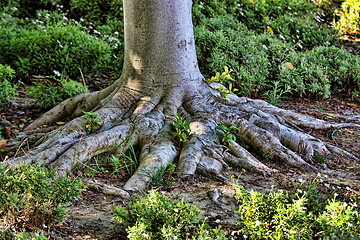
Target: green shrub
point(49, 43)
point(98, 12)
point(303, 31)
point(9, 235)
point(32, 196)
point(321, 71)
point(259, 61)
point(297, 216)
point(295, 21)
point(224, 42)
point(49, 94)
point(257, 39)
point(7, 90)
point(155, 216)
point(349, 17)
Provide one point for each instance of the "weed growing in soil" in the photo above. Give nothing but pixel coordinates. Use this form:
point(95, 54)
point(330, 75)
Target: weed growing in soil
point(128, 161)
point(92, 121)
point(180, 129)
point(9, 235)
point(162, 177)
point(227, 133)
point(277, 92)
point(156, 216)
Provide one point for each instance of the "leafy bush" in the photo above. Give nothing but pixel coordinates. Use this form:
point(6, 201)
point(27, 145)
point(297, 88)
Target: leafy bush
point(7, 90)
point(321, 70)
point(349, 17)
point(9, 235)
point(49, 94)
point(98, 12)
point(282, 216)
point(298, 21)
point(224, 42)
point(32, 196)
point(260, 49)
point(51, 43)
point(155, 216)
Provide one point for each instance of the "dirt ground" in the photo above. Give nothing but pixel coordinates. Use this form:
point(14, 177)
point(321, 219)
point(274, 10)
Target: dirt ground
point(90, 217)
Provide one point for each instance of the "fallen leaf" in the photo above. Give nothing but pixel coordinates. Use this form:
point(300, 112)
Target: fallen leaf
point(23, 120)
point(288, 65)
point(2, 143)
point(352, 104)
point(328, 115)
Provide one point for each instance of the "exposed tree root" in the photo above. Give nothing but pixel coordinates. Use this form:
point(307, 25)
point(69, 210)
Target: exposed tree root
point(128, 117)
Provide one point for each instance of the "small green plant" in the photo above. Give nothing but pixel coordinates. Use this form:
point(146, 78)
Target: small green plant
point(277, 92)
point(320, 158)
point(222, 78)
point(99, 167)
point(161, 178)
point(32, 197)
point(9, 235)
point(92, 121)
point(224, 92)
point(180, 129)
point(266, 153)
point(127, 161)
point(228, 133)
point(7, 90)
point(156, 216)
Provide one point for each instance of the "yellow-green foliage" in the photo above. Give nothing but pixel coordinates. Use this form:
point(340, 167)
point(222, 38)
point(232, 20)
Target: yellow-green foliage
point(349, 14)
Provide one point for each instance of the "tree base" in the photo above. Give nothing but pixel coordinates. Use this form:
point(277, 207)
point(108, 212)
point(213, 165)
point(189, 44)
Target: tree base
point(125, 117)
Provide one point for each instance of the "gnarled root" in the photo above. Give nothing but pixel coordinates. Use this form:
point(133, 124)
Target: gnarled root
point(127, 116)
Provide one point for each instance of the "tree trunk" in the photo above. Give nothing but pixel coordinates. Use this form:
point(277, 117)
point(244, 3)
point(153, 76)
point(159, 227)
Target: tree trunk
point(161, 79)
point(159, 45)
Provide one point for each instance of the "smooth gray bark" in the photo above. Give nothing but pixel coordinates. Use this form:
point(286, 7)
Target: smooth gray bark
point(159, 45)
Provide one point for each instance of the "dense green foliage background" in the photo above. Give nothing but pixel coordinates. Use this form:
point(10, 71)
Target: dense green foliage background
point(270, 45)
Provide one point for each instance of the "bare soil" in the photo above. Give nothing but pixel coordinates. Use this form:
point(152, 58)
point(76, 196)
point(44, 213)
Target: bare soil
point(90, 217)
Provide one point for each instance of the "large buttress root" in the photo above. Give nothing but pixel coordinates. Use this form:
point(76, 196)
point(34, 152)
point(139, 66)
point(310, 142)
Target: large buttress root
point(132, 117)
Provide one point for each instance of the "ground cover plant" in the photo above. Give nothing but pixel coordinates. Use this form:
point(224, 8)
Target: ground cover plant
point(33, 198)
point(258, 40)
point(304, 213)
point(155, 216)
point(7, 89)
point(48, 93)
point(51, 43)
